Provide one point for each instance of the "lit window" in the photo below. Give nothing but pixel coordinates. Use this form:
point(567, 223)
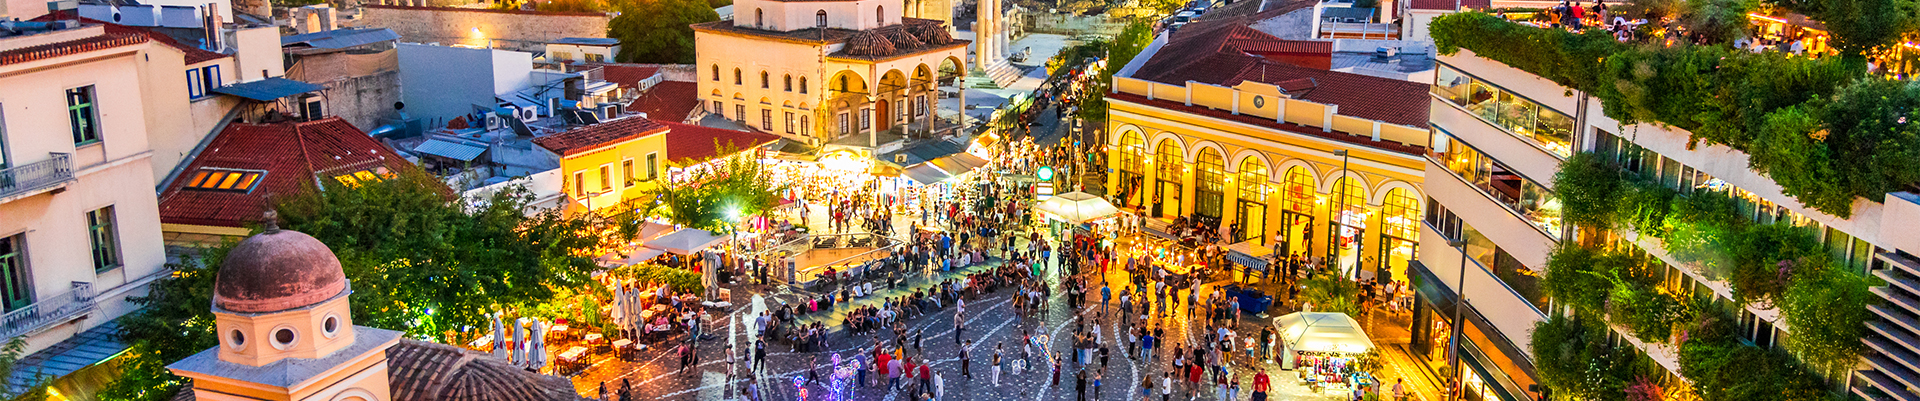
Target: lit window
point(210, 179)
point(368, 175)
point(626, 171)
point(80, 113)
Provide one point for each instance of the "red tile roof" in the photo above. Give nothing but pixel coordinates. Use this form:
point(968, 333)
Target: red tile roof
point(697, 143)
point(195, 54)
point(1358, 138)
point(1449, 4)
point(668, 101)
point(1225, 52)
point(293, 154)
point(589, 137)
point(51, 50)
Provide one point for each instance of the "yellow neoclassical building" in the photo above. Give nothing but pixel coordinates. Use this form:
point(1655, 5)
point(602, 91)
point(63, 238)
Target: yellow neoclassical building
point(1224, 125)
point(855, 71)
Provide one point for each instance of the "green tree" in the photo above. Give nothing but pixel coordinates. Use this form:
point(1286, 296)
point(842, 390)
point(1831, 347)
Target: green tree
point(433, 265)
point(658, 31)
point(716, 199)
point(1587, 187)
point(174, 322)
point(1331, 293)
point(1827, 309)
point(1126, 46)
point(1576, 361)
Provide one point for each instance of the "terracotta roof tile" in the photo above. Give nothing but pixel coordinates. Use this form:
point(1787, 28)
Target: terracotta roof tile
point(697, 143)
point(837, 35)
point(51, 50)
point(1297, 129)
point(1226, 52)
point(593, 136)
point(292, 154)
point(423, 371)
point(195, 54)
point(1449, 4)
point(668, 101)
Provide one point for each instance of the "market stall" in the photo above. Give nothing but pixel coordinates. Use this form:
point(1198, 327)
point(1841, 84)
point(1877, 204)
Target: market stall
point(1323, 347)
point(1077, 207)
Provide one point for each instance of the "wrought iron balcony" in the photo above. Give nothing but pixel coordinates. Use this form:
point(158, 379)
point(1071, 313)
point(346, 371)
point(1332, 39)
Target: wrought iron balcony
point(32, 178)
point(48, 311)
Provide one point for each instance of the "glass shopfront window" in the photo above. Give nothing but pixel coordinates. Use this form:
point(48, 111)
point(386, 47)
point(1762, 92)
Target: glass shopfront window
point(1522, 117)
point(1522, 195)
point(1212, 181)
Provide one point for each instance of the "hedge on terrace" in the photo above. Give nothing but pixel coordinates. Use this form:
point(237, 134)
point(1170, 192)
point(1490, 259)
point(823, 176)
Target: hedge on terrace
point(1822, 128)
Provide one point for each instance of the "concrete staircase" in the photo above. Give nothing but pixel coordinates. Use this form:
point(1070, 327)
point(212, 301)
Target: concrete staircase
point(999, 75)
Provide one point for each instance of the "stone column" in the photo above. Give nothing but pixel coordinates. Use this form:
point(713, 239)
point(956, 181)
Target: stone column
point(982, 39)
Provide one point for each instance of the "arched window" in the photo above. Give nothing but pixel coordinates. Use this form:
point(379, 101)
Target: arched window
point(788, 81)
point(716, 72)
point(820, 18)
point(764, 82)
point(759, 18)
point(803, 84)
point(1253, 180)
point(1402, 213)
point(880, 14)
point(1210, 196)
point(1300, 191)
point(737, 80)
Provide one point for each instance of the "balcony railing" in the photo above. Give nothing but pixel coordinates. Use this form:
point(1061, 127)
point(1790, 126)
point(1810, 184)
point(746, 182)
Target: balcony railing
point(48, 311)
point(26, 178)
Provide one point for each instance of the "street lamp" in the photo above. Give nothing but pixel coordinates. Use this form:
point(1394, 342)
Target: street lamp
point(1459, 307)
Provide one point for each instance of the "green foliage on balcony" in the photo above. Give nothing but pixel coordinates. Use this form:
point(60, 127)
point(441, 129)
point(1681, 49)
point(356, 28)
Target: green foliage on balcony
point(1576, 360)
point(1723, 367)
point(1822, 128)
point(1770, 265)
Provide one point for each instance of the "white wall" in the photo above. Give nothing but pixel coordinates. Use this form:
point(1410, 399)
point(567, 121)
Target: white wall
point(511, 71)
point(116, 171)
point(460, 77)
point(789, 16)
point(258, 54)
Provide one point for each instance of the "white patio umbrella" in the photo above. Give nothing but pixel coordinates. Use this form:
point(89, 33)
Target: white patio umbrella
point(1077, 207)
point(519, 342)
point(1320, 332)
point(537, 351)
point(686, 242)
point(501, 347)
point(619, 309)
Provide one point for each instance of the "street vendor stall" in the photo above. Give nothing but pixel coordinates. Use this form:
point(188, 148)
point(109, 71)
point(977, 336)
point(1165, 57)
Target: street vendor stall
point(686, 242)
point(1077, 207)
point(1323, 347)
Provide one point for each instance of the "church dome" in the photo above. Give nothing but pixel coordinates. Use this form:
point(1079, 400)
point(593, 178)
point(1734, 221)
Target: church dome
point(277, 270)
point(869, 43)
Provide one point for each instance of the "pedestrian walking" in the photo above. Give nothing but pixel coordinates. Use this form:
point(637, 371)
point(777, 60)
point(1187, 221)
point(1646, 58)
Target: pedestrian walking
point(997, 347)
point(1261, 383)
point(966, 361)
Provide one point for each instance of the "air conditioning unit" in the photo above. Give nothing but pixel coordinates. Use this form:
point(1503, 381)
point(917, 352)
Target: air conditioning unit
point(493, 121)
point(529, 114)
point(900, 159)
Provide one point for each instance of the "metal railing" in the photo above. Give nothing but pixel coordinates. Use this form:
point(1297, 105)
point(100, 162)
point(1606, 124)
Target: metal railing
point(48, 311)
point(35, 176)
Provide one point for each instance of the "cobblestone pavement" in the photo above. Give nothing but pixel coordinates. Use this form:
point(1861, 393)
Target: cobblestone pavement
point(990, 320)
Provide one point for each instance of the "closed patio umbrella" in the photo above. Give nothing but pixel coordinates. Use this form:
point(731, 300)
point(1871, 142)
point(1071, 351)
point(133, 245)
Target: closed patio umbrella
point(501, 348)
point(519, 342)
point(537, 351)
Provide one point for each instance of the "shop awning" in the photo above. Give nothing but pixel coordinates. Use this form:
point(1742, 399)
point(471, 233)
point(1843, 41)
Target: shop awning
point(1323, 332)
point(1077, 207)
point(651, 230)
point(925, 174)
point(1250, 254)
point(686, 242)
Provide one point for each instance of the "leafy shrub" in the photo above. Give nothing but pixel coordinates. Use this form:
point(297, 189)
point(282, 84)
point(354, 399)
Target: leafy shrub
point(1647, 313)
point(1575, 360)
point(1587, 187)
point(1574, 278)
point(1643, 206)
point(1767, 257)
point(1827, 309)
point(1699, 226)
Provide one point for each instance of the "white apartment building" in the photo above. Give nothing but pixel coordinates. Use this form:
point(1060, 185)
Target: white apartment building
point(93, 117)
point(1500, 135)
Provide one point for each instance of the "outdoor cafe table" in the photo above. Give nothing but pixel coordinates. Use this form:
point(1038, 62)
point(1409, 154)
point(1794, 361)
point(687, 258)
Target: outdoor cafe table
point(621, 346)
point(572, 357)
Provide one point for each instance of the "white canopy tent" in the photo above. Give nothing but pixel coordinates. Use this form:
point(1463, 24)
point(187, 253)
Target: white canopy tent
point(1320, 332)
point(644, 254)
point(686, 242)
point(1077, 207)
